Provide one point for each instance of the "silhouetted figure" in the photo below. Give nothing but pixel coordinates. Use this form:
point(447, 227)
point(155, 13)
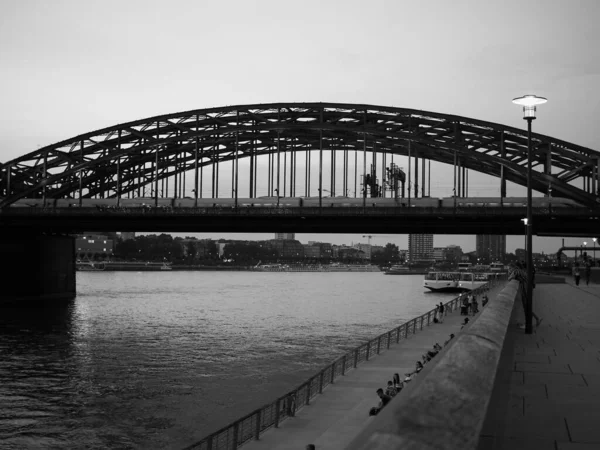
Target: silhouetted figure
point(587, 272)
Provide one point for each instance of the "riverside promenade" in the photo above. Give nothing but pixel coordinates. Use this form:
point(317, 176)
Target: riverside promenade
point(546, 394)
point(337, 416)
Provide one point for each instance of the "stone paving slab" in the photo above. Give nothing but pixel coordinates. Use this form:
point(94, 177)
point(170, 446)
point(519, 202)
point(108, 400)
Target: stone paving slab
point(553, 398)
point(336, 417)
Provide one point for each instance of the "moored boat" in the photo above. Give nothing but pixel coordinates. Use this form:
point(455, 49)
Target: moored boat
point(397, 269)
point(474, 280)
point(89, 266)
point(443, 281)
point(456, 281)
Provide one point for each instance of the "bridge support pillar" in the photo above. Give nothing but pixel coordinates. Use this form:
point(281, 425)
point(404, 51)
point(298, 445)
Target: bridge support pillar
point(39, 269)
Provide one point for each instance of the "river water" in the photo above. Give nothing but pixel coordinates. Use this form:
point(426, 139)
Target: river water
point(156, 360)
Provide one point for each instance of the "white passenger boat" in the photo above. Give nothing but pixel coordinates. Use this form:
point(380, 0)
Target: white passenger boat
point(497, 267)
point(473, 280)
point(456, 281)
point(442, 281)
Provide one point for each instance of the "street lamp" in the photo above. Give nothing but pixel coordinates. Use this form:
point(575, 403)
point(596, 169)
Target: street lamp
point(529, 103)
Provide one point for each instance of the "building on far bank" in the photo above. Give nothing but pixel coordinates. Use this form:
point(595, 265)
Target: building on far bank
point(93, 247)
point(289, 249)
point(439, 253)
point(285, 236)
point(490, 247)
point(420, 247)
point(366, 249)
point(127, 235)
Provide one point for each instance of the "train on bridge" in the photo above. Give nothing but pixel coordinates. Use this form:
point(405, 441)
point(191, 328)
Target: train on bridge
point(299, 202)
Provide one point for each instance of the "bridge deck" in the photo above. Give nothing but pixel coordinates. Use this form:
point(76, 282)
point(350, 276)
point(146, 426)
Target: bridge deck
point(336, 417)
point(547, 395)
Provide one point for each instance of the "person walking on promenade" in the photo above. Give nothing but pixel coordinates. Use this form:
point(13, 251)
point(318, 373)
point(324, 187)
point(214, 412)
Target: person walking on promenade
point(587, 272)
point(290, 406)
point(442, 310)
point(518, 272)
point(576, 274)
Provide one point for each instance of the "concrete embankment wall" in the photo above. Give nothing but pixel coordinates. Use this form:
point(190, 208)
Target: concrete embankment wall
point(37, 268)
point(446, 406)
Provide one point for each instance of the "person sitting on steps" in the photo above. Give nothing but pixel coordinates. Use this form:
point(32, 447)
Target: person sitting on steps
point(383, 400)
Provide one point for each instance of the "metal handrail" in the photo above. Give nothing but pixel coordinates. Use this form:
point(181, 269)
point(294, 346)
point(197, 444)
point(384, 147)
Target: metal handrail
point(272, 414)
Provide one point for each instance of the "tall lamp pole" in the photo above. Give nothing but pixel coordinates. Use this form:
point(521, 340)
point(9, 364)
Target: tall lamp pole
point(529, 103)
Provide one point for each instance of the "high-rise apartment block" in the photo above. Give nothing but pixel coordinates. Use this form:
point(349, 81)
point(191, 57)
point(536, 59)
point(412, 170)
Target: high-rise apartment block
point(490, 247)
point(420, 247)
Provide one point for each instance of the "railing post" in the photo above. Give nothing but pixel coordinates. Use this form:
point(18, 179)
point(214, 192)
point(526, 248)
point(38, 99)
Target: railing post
point(378, 344)
point(209, 443)
point(368, 349)
point(398, 335)
point(406, 326)
point(236, 429)
point(422, 320)
point(277, 409)
point(389, 338)
point(355, 358)
point(429, 318)
point(321, 382)
point(308, 391)
point(257, 435)
point(344, 365)
point(333, 372)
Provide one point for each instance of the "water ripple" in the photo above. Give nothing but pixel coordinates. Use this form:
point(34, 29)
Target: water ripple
point(147, 360)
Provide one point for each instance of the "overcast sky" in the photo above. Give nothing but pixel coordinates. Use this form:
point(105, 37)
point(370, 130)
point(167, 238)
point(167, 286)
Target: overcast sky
point(71, 66)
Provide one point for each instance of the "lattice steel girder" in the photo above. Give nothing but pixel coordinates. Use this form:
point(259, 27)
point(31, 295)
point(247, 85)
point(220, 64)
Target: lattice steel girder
point(482, 146)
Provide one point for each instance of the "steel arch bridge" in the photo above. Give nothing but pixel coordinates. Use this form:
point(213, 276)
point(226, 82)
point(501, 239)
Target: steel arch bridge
point(123, 159)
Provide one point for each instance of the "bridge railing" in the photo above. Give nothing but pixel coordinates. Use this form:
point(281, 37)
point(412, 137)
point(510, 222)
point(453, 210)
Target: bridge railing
point(254, 424)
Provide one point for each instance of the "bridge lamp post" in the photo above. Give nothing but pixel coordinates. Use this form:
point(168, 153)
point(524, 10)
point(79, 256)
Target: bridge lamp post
point(529, 104)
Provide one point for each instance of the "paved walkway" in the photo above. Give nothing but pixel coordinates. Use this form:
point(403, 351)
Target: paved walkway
point(336, 417)
point(547, 393)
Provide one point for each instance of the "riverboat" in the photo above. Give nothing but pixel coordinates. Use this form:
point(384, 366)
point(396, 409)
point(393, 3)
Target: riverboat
point(316, 268)
point(136, 266)
point(443, 281)
point(89, 266)
point(397, 269)
point(497, 267)
point(456, 281)
point(473, 280)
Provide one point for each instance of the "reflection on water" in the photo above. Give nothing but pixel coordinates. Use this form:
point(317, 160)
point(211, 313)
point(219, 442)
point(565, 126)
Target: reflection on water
point(159, 360)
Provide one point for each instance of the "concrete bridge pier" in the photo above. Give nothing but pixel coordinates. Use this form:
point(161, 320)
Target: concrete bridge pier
point(38, 268)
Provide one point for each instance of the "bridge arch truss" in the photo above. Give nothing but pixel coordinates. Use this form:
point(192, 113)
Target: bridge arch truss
point(126, 159)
